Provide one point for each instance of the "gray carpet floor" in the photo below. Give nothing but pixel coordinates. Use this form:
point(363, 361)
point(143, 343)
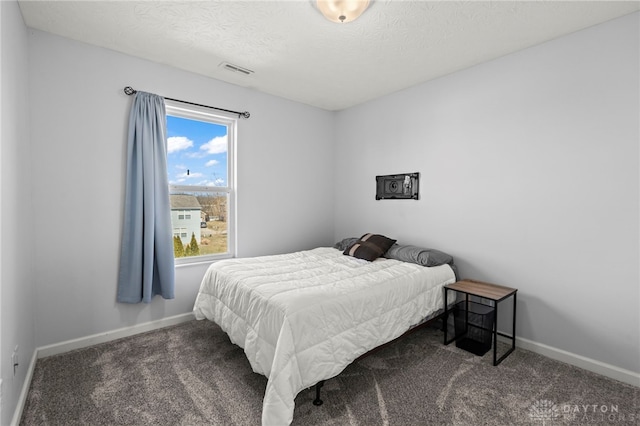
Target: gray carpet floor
point(191, 374)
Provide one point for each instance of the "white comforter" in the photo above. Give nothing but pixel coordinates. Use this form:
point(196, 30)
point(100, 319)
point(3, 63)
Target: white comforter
point(303, 317)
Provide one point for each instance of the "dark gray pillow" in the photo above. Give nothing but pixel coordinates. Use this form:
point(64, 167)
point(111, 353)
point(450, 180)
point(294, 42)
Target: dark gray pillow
point(345, 243)
point(364, 250)
point(419, 255)
point(369, 247)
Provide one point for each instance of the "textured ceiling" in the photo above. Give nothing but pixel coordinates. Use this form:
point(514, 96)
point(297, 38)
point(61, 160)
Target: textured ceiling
point(299, 55)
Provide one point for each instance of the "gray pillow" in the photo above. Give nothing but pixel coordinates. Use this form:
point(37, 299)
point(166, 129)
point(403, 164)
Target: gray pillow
point(345, 243)
point(419, 255)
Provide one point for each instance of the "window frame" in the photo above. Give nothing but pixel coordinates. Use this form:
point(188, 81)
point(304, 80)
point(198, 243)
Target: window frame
point(194, 112)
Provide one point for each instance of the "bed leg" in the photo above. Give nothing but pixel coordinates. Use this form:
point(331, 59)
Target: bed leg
point(318, 401)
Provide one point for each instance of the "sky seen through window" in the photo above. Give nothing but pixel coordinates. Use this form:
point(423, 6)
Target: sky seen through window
point(196, 152)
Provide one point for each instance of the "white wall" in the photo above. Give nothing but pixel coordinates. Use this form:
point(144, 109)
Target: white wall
point(529, 178)
point(16, 210)
point(79, 115)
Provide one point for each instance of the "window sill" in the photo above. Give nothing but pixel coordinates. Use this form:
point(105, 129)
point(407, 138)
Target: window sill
point(205, 260)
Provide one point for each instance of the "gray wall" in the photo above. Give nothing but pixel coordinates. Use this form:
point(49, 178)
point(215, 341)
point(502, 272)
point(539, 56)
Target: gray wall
point(529, 178)
point(16, 210)
point(79, 116)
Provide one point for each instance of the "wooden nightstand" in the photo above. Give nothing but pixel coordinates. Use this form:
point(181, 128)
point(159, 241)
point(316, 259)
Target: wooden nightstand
point(493, 292)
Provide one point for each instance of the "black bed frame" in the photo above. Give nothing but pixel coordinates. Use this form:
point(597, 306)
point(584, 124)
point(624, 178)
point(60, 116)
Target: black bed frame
point(317, 401)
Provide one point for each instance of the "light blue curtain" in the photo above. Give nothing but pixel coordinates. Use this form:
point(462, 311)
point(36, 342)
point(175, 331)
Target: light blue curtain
point(146, 259)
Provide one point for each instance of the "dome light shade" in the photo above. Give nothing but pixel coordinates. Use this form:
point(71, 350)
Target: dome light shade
point(342, 11)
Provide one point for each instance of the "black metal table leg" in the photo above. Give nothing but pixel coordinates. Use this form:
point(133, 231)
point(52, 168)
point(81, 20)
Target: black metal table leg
point(512, 337)
point(495, 333)
point(445, 317)
point(513, 341)
point(318, 401)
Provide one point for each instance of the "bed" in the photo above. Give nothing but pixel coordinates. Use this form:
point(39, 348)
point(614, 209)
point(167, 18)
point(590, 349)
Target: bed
point(302, 317)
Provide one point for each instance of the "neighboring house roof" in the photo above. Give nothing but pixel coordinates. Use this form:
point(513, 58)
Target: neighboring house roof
point(184, 202)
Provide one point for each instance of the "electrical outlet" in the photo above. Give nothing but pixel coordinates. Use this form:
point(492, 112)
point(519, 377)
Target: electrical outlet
point(14, 360)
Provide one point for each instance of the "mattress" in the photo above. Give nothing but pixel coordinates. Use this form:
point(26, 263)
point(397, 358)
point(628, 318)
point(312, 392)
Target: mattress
point(303, 317)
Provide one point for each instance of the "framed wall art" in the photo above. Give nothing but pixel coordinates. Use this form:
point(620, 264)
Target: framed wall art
point(397, 187)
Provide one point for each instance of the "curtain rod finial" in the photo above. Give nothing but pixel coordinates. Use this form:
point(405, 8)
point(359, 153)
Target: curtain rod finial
point(245, 114)
point(129, 90)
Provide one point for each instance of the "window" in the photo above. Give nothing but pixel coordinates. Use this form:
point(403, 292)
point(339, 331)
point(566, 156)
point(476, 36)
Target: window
point(180, 232)
point(184, 215)
point(200, 159)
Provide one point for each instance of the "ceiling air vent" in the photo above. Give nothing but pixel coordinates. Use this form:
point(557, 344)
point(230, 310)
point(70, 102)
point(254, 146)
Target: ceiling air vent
point(235, 68)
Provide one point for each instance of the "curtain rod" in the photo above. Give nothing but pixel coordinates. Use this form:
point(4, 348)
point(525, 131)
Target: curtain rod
point(131, 91)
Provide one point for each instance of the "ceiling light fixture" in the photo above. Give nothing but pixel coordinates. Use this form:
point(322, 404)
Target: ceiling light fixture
point(342, 11)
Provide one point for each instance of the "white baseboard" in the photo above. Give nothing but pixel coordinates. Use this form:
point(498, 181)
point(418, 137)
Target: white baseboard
point(107, 336)
point(83, 342)
point(598, 367)
point(22, 399)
